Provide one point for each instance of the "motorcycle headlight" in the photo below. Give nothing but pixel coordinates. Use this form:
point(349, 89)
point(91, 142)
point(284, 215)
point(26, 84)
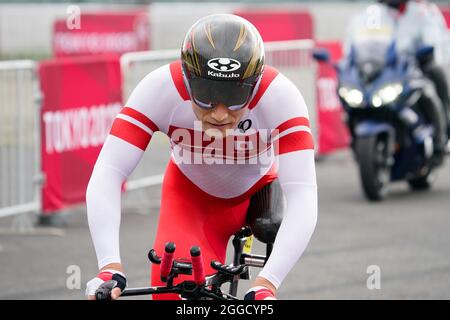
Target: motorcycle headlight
point(387, 94)
point(353, 97)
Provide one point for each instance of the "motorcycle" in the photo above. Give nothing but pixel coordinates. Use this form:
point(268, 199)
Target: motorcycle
point(385, 97)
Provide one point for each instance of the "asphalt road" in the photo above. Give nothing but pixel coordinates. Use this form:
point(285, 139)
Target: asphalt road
point(406, 238)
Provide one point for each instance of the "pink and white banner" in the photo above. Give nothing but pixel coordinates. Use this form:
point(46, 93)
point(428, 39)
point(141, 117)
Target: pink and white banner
point(101, 33)
point(82, 96)
point(333, 133)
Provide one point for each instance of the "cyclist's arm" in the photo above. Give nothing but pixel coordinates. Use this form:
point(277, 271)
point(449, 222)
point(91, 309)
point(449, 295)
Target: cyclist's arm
point(297, 179)
point(146, 111)
point(103, 197)
point(296, 174)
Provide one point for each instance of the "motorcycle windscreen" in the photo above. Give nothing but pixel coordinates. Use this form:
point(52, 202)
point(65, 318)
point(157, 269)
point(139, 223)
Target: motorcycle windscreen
point(371, 50)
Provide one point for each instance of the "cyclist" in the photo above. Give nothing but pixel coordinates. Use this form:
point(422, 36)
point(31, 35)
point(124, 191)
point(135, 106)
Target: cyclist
point(235, 125)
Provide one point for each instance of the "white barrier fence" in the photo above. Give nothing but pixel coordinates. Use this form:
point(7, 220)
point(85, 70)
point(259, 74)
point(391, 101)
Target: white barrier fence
point(292, 58)
point(19, 138)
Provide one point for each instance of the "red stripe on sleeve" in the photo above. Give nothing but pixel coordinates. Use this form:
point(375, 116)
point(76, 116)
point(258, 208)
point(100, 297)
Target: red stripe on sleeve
point(295, 141)
point(140, 117)
point(130, 133)
point(262, 294)
point(267, 78)
point(177, 77)
point(298, 121)
point(105, 275)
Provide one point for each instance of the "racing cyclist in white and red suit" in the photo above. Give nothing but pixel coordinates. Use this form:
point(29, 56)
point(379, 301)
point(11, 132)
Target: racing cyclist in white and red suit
point(235, 125)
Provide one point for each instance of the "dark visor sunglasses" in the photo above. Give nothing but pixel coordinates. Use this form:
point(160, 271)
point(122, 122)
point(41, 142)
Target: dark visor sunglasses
point(235, 95)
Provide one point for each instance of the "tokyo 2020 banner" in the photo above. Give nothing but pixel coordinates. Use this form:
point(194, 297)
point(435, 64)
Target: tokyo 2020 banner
point(333, 134)
point(81, 97)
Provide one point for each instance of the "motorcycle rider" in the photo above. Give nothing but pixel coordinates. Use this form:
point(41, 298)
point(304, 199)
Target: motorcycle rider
point(413, 25)
point(431, 31)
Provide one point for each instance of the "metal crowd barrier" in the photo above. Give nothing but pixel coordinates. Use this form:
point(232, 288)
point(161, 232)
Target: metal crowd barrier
point(19, 138)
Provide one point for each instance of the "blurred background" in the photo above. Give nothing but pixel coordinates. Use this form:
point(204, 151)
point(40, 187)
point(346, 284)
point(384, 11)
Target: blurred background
point(66, 69)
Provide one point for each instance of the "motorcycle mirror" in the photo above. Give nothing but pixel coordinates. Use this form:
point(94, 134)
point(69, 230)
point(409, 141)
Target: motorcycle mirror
point(321, 55)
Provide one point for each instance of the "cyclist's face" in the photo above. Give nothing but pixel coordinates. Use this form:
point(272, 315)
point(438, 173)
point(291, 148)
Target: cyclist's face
point(219, 117)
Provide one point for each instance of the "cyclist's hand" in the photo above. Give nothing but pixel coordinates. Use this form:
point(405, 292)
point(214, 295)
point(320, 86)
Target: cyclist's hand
point(259, 293)
point(107, 285)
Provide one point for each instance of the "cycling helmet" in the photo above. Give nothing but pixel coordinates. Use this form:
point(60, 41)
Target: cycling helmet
point(222, 58)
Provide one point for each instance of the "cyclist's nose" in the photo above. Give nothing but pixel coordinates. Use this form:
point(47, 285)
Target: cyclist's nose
point(220, 112)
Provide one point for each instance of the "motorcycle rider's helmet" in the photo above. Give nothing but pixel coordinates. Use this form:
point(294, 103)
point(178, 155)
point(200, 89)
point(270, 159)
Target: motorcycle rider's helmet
point(397, 4)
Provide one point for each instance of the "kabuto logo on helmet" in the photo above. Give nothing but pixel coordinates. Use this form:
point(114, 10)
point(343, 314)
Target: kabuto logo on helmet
point(224, 64)
point(223, 75)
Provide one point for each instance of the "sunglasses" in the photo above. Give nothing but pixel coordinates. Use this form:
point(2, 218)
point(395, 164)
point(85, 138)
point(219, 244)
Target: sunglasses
point(235, 95)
